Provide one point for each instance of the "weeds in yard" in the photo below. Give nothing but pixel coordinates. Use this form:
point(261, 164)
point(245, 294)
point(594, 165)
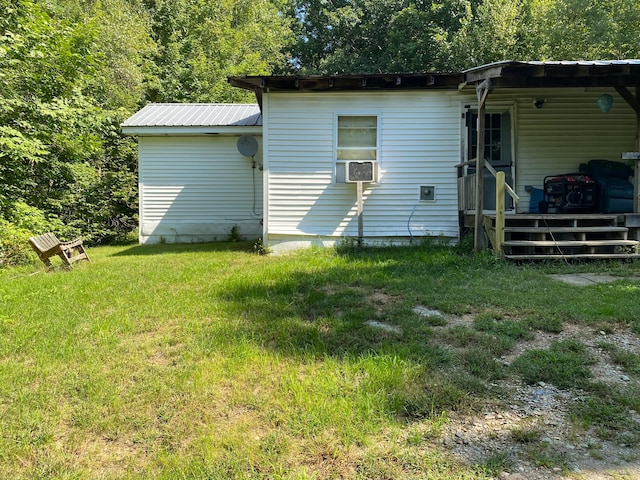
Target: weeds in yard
point(480, 364)
point(207, 361)
point(260, 248)
point(464, 337)
point(564, 364)
point(607, 409)
point(543, 323)
point(527, 435)
point(498, 462)
point(629, 361)
point(544, 454)
point(234, 234)
point(515, 330)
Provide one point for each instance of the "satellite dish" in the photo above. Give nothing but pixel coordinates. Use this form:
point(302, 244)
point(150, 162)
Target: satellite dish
point(247, 145)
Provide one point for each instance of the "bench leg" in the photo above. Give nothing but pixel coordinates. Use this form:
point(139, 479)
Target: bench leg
point(84, 252)
point(65, 260)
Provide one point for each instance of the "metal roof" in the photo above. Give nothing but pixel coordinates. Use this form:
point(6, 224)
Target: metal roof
point(553, 63)
point(196, 115)
point(578, 73)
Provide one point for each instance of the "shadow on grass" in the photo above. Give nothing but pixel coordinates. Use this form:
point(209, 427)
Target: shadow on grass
point(174, 248)
point(335, 310)
point(314, 309)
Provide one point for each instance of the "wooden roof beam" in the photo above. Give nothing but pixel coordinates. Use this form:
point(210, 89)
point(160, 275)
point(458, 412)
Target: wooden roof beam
point(609, 70)
point(630, 98)
point(484, 74)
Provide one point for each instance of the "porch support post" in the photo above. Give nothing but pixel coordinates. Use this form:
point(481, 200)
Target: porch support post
point(500, 192)
point(360, 220)
point(482, 91)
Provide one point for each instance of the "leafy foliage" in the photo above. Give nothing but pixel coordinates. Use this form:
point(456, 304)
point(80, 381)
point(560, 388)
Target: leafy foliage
point(201, 43)
point(365, 36)
point(23, 221)
point(58, 150)
point(368, 36)
point(71, 72)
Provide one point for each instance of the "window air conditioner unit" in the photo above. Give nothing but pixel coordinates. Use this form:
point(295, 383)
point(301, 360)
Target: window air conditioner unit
point(360, 172)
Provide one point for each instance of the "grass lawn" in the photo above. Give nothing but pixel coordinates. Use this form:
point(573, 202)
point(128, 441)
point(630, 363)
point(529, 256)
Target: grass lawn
point(209, 361)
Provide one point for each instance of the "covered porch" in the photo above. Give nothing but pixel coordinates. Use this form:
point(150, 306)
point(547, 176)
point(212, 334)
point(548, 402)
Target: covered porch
point(562, 121)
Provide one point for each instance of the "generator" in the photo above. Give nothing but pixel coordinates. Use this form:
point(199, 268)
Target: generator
point(571, 192)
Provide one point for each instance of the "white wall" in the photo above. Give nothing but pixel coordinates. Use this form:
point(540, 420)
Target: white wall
point(568, 130)
point(196, 188)
point(419, 145)
point(421, 140)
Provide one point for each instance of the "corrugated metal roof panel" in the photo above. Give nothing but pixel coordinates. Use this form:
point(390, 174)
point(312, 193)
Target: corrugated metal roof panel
point(586, 63)
point(196, 115)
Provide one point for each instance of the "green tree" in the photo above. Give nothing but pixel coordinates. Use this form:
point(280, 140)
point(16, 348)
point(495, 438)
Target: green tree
point(201, 43)
point(589, 29)
point(57, 106)
point(495, 30)
point(422, 36)
point(43, 67)
point(369, 36)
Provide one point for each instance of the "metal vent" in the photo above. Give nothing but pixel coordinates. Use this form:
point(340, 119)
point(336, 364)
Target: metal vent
point(360, 172)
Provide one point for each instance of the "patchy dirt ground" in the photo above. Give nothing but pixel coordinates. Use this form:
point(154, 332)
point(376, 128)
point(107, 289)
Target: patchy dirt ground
point(573, 453)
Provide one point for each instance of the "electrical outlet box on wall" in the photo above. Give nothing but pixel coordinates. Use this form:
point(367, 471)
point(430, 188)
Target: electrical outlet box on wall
point(428, 192)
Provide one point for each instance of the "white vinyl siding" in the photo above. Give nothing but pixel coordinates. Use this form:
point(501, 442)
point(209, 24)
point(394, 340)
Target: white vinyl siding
point(421, 137)
point(419, 144)
point(196, 188)
point(568, 130)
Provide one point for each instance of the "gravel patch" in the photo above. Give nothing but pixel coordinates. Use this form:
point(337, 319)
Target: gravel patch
point(543, 408)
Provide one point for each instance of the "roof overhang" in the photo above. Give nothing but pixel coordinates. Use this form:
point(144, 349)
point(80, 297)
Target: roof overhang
point(326, 83)
point(510, 74)
point(157, 131)
point(506, 74)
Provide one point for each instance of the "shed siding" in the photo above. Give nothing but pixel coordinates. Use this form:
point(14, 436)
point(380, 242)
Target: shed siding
point(196, 189)
point(419, 144)
point(568, 130)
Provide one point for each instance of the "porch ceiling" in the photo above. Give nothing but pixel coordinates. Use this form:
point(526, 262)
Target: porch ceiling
point(509, 74)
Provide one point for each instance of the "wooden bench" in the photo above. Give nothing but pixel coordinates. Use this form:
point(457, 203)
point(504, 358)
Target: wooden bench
point(48, 245)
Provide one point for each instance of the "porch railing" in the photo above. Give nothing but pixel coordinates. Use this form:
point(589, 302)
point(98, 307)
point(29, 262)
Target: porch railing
point(467, 200)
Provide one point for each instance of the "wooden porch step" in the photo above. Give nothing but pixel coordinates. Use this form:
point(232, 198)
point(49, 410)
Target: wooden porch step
point(530, 248)
point(564, 236)
point(564, 229)
point(562, 216)
point(581, 256)
point(570, 243)
point(568, 221)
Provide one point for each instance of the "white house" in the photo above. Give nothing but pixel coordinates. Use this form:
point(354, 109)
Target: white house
point(541, 119)
point(405, 135)
point(195, 185)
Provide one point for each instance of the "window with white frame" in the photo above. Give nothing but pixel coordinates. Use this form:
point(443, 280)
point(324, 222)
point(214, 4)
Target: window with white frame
point(357, 142)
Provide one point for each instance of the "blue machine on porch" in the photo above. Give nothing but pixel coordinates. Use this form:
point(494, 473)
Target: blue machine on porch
point(601, 186)
point(615, 191)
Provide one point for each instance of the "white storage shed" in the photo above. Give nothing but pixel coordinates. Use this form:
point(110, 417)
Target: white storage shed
point(200, 171)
